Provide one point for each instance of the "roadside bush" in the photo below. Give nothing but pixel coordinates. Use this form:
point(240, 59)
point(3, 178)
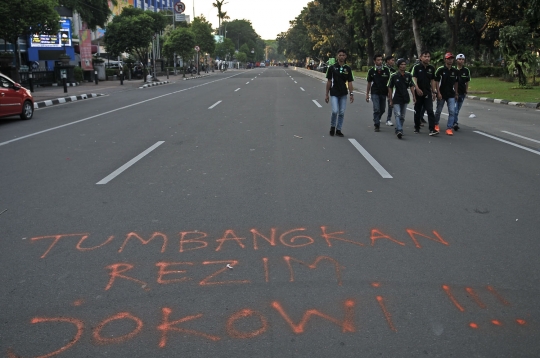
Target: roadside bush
point(111, 71)
point(486, 71)
point(78, 73)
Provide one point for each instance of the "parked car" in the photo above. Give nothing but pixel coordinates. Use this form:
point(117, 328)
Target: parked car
point(262, 64)
point(322, 67)
point(15, 99)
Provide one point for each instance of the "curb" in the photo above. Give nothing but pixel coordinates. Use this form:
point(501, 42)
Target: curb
point(52, 102)
point(154, 84)
point(194, 77)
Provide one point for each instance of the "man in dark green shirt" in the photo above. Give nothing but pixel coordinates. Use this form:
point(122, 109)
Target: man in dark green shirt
point(377, 80)
point(399, 83)
point(389, 63)
point(339, 77)
point(464, 77)
point(446, 78)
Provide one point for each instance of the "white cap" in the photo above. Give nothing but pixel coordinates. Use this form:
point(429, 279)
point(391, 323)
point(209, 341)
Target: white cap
point(460, 56)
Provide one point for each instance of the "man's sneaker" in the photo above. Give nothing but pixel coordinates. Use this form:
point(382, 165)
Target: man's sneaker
point(339, 134)
point(432, 133)
point(422, 122)
point(377, 129)
point(437, 127)
point(389, 123)
point(449, 132)
point(332, 131)
point(416, 131)
point(456, 127)
point(399, 134)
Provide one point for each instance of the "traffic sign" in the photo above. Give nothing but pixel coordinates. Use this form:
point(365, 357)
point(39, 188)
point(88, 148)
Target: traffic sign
point(197, 48)
point(179, 7)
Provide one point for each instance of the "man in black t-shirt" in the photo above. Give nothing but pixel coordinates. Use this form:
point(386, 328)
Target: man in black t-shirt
point(446, 79)
point(423, 76)
point(389, 63)
point(464, 77)
point(340, 77)
point(377, 80)
point(399, 83)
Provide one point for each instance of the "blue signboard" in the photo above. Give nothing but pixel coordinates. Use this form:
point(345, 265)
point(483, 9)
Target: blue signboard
point(62, 39)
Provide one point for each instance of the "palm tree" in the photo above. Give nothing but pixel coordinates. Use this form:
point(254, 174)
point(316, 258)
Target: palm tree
point(221, 15)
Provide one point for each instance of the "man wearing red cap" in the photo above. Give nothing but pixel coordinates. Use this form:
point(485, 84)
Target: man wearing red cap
point(446, 78)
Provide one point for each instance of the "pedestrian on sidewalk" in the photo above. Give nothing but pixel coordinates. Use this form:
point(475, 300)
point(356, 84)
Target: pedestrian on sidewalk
point(424, 81)
point(398, 96)
point(464, 77)
point(377, 80)
point(446, 80)
point(389, 63)
point(339, 77)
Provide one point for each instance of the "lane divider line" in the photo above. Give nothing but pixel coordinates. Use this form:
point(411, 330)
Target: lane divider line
point(507, 142)
point(520, 136)
point(302, 89)
point(316, 103)
point(119, 171)
point(113, 110)
point(247, 83)
point(215, 104)
point(237, 89)
point(374, 163)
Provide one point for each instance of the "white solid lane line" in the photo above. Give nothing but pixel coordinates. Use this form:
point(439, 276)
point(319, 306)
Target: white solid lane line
point(375, 164)
point(507, 142)
point(520, 136)
point(316, 103)
point(237, 89)
point(215, 104)
point(302, 89)
point(118, 171)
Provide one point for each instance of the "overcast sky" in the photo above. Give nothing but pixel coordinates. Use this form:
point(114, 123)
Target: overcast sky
point(269, 17)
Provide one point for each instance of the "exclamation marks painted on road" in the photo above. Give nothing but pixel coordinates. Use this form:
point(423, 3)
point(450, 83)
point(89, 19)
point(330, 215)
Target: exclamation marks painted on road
point(386, 313)
point(475, 297)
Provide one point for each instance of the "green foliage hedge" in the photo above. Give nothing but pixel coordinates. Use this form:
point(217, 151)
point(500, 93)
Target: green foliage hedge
point(78, 72)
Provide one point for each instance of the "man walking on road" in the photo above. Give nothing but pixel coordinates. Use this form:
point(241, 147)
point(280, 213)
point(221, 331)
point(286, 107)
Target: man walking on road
point(423, 76)
point(446, 78)
point(377, 80)
point(389, 63)
point(339, 77)
point(464, 77)
point(398, 96)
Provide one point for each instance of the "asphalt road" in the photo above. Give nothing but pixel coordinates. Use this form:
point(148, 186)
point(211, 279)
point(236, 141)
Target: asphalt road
point(217, 218)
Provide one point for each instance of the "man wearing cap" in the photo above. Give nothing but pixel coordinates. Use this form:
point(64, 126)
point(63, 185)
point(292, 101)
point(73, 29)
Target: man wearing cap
point(423, 76)
point(446, 80)
point(377, 79)
point(389, 63)
point(398, 96)
point(464, 76)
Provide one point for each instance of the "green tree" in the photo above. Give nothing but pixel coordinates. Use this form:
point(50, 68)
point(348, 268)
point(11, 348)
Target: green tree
point(94, 12)
point(518, 48)
point(23, 17)
point(129, 32)
point(221, 15)
point(241, 57)
point(182, 41)
point(202, 30)
point(224, 50)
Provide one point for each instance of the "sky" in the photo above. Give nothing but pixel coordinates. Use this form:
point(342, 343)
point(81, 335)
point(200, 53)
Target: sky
point(268, 18)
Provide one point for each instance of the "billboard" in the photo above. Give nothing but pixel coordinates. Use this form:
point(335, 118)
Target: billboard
point(63, 38)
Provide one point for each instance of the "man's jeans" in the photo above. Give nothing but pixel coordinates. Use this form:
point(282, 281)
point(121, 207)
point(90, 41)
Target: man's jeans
point(399, 115)
point(379, 106)
point(338, 110)
point(451, 104)
point(459, 103)
point(389, 117)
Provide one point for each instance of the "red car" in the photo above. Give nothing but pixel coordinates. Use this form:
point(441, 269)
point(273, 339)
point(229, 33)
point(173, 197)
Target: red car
point(15, 99)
